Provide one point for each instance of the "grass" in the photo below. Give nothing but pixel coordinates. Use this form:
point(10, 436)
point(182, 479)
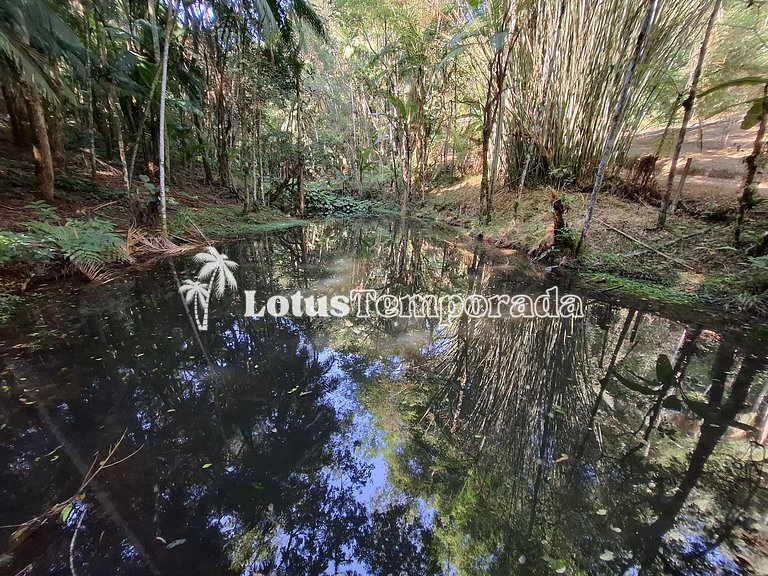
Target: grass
point(638, 289)
point(227, 221)
point(698, 261)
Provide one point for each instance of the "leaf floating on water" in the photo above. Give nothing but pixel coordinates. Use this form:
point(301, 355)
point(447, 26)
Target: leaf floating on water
point(66, 512)
point(175, 543)
point(206, 466)
point(556, 564)
point(601, 512)
point(607, 555)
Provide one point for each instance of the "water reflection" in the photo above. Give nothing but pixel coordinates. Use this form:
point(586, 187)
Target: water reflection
point(619, 443)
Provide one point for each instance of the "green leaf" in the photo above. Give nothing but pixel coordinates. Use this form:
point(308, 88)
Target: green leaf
point(753, 115)
point(749, 80)
point(498, 39)
point(672, 403)
point(66, 512)
point(206, 466)
point(664, 371)
point(712, 415)
point(607, 555)
point(636, 386)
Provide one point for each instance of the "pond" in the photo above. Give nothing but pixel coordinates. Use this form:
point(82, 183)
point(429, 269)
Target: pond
point(133, 442)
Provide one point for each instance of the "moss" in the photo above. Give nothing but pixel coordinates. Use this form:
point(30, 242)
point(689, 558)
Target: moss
point(639, 290)
point(641, 269)
point(227, 221)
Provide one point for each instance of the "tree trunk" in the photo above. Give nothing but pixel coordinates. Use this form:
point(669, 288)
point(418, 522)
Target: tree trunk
point(687, 113)
point(747, 200)
point(116, 119)
point(41, 148)
point(15, 115)
point(56, 125)
point(300, 143)
point(91, 128)
point(541, 107)
point(161, 138)
point(203, 152)
point(497, 72)
point(650, 11)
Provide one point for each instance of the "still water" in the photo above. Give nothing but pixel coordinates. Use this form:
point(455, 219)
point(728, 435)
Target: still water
point(622, 443)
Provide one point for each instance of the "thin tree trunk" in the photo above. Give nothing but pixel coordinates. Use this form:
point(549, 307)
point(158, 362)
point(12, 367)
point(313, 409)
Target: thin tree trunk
point(14, 114)
point(260, 156)
point(161, 139)
point(650, 12)
point(41, 148)
point(494, 99)
point(91, 129)
point(116, 113)
point(747, 200)
point(203, 152)
point(688, 112)
point(539, 116)
point(300, 143)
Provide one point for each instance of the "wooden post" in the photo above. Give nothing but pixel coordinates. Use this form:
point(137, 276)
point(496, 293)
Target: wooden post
point(679, 191)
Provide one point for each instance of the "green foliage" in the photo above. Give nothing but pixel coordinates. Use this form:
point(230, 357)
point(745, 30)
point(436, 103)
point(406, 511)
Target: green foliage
point(88, 244)
point(20, 248)
point(8, 303)
point(323, 202)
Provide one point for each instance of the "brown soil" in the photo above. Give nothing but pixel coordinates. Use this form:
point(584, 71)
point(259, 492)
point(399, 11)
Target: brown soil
point(718, 148)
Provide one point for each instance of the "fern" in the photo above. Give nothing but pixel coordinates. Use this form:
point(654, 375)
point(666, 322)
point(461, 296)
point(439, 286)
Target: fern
point(87, 244)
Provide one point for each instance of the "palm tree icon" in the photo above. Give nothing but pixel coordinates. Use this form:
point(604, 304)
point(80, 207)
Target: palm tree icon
point(217, 270)
point(214, 278)
point(197, 292)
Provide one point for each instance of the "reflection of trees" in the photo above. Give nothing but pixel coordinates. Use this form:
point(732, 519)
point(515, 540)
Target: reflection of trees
point(514, 434)
point(510, 407)
point(267, 484)
point(711, 434)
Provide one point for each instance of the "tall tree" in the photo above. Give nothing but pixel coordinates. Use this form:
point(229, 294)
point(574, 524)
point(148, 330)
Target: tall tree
point(688, 104)
point(650, 12)
point(161, 139)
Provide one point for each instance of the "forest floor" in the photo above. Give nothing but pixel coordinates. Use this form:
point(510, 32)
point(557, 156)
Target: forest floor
point(692, 261)
point(196, 211)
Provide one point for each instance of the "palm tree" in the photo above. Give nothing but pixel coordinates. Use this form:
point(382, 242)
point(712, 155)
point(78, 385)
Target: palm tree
point(197, 293)
point(217, 269)
point(32, 34)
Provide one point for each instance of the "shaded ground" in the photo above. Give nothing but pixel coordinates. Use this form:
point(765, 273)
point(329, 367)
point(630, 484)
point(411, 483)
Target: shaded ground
point(195, 209)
